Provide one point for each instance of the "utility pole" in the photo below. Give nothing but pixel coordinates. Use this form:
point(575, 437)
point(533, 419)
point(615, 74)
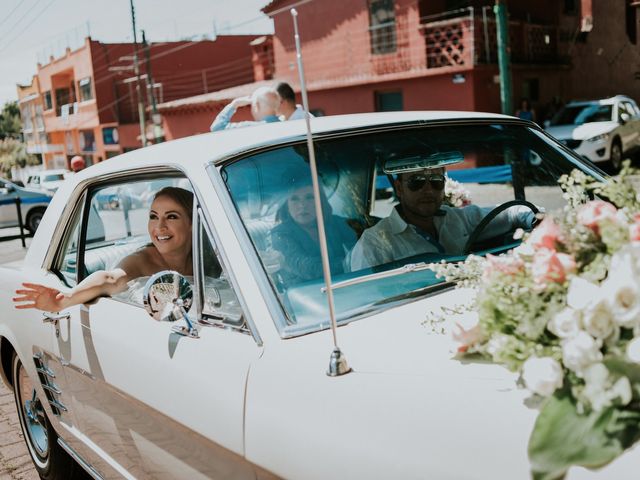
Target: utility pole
point(136, 70)
point(155, 116)
point(503, 56)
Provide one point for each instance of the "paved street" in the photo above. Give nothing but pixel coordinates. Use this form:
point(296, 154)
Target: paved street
point(15, 462)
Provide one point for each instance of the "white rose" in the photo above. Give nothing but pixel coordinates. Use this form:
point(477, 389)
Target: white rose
point(622, 390)
point(633, 350)
point(581, 351)
point(542, 375)
point(599, 391)
point(581, 292)
point(565, 324)
point(597, 319)
point(621, 289)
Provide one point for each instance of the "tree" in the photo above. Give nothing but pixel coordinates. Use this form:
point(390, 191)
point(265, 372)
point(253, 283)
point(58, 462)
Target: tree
point(13, 153)
point(10, 123)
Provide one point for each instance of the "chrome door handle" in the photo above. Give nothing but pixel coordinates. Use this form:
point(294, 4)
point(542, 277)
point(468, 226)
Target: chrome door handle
point(55, 317)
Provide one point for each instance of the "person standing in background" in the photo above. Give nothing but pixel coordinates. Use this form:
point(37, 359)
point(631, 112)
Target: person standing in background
point(288, 109)
point(263, 101)
point(525, 111)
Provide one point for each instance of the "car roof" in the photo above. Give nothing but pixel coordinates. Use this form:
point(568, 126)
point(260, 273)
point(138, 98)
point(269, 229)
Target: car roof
point(218, 146)
point(601, 101)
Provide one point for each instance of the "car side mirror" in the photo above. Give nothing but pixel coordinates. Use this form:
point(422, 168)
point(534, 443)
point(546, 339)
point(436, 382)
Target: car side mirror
point(624, 118)
point(167, 297)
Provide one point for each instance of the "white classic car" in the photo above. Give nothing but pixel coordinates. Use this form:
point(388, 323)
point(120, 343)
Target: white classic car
point(240, 389)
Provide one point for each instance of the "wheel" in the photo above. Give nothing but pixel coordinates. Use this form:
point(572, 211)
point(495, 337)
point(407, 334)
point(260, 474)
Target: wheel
point(475, 235)
point(33, 220)
point(50, 460)
point(616, 156)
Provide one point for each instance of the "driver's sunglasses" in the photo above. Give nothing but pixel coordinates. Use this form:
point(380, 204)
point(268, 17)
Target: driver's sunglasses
point(417, 182)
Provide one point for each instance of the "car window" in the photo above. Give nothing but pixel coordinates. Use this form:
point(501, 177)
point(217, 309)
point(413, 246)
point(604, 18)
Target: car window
point(272, 193)
point(114, 224)
point(585, 113)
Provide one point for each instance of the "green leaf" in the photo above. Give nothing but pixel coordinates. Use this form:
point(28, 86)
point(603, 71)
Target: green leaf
point(562, 438)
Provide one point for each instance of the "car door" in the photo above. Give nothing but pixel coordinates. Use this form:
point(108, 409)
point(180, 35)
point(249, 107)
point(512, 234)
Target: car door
point(633, 124)
point(149, 402)
point(8, 212)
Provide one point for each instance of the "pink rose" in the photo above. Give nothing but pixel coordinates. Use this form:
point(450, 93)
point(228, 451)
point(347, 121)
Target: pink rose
point(550, 266)
point(593, 213)
point(467, 332)
point(506, 265)
point(634, 230)
point(546, 235)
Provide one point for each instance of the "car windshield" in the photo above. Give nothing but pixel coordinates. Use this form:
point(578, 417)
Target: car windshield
point(586, 113)
point(375, 190)
point(53, 177)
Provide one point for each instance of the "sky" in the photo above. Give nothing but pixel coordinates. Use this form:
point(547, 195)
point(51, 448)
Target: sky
point(31, 30)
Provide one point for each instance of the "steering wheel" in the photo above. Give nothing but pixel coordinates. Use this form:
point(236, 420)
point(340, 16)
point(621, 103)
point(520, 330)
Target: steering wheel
point(490, 216)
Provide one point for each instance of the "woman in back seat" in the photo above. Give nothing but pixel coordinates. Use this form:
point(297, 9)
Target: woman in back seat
point(169, 227)
point(296, 236)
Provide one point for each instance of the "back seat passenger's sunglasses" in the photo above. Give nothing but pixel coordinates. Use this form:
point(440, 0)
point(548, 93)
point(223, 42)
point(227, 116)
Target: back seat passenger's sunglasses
point(417, 182)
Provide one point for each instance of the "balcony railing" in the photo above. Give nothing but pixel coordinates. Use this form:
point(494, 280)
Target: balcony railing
point(416, 46)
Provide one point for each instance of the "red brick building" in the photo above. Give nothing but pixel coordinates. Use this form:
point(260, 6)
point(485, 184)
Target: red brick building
point(87, 103)
point(373, 55)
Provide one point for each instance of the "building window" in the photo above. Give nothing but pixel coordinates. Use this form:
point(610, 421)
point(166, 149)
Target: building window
point(64, 96)
point(84, 89)
point(87, 141)
point(110, 136)
point(388, 101)
point(25, 113)
point(570, 7)
point(382, 26)
point(47, 100)
point(531, 89)
point(631, 21)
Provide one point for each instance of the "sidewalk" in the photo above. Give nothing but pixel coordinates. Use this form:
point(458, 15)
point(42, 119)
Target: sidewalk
point(15, 462)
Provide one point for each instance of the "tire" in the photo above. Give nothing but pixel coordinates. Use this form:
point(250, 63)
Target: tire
point(616, 156)
point(33, 219)
point(49, 459)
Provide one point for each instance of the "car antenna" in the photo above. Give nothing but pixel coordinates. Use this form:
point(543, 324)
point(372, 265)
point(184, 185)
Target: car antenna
point(337, 363)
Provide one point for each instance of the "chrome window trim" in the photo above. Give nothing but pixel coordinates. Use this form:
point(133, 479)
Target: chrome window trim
point(224, 259)
point(264, 285)
point(248, 327)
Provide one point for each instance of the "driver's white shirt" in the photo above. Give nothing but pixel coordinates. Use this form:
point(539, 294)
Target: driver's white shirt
point(392, 238)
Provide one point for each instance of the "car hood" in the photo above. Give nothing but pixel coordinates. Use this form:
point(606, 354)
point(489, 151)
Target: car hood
point(424, 334)
point(408, 349)
point(580, 132)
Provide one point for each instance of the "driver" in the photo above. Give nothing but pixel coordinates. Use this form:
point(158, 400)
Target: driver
point(421, 224)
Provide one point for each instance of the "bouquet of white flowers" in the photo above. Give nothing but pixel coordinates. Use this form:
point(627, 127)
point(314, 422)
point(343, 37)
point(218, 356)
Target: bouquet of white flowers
point(563, 309)
point(455, 194)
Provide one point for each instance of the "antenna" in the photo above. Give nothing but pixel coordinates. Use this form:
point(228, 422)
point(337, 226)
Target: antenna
point(337, 362)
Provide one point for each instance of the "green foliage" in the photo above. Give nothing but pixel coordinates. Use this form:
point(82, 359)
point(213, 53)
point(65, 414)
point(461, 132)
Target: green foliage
point(562, 437)
point(13, 153)
point(10, 124)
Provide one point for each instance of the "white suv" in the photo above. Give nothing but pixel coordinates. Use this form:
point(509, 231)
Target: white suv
point(599, 130)
point(47, 179)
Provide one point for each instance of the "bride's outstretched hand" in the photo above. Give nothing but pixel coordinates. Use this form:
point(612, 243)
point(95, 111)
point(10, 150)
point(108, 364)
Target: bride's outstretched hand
point(38, 296)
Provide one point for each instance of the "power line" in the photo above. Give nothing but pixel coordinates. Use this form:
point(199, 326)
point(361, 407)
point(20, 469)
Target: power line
point(11, 12)
point(28, 25)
